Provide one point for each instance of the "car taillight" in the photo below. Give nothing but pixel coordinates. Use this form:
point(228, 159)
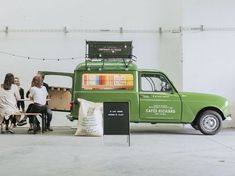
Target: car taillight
point(71, 105)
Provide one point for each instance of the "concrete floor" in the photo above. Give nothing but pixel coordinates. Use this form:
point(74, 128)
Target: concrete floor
point(155, 150)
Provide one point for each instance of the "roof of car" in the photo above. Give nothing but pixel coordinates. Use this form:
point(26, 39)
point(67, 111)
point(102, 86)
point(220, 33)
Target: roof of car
point(99, 65)
point(149, 70)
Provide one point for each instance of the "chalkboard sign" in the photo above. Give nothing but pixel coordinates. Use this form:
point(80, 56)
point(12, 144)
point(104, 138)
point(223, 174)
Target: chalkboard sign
point(109, 49)
point(116, 118)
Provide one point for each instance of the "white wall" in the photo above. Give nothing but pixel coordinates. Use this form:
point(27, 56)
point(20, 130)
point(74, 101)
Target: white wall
point(153, 50)
point(208, 56)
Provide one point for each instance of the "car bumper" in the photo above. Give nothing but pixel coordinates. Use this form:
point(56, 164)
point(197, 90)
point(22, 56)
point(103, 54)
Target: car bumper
point(229, 117)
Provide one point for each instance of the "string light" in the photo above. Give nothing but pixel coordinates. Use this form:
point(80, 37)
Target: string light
point(38, 58)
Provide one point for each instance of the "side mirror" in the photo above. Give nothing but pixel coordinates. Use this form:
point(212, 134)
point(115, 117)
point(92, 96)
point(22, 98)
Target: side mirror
point(166, 87)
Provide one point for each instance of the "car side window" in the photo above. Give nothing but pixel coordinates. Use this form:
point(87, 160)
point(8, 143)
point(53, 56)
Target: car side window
point(154, 83)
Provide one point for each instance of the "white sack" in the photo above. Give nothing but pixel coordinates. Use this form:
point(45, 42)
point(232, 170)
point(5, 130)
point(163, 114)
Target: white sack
point(90, 118)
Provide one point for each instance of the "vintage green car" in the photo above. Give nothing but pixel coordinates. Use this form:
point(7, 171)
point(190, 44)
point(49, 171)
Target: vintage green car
point(151, 95)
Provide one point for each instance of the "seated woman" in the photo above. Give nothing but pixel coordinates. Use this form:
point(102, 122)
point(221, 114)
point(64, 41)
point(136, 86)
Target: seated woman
point(9, 94)
point(38, 94)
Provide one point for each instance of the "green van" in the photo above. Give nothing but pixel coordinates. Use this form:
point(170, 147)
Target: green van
point(151, 95)
point(110, 75)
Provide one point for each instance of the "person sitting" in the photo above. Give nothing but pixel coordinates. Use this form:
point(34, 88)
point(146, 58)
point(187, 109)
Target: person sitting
point(20, 104)
point(23, 121)
point(49, 111)
point(38, 94)
point(9, 94)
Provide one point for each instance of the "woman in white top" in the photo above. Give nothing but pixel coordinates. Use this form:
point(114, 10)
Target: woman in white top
point(9, 94)
point(38, 94)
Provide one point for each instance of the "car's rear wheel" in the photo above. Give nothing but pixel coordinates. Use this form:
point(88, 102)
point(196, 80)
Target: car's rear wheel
point(195, 125)
point(210, 122)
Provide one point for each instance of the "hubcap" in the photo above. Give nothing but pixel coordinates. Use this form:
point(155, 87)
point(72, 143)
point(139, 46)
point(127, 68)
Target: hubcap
point(210, 122)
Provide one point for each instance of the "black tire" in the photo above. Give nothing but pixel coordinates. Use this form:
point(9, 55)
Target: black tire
point(210, 122)
point(195, 125)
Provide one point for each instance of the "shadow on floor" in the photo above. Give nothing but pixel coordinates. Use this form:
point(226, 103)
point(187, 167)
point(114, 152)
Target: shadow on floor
point(134, 129)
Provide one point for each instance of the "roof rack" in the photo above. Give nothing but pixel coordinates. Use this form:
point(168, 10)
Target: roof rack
point(109, 51)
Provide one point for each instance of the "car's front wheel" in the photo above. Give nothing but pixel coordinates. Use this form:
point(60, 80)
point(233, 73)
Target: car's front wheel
point(210, 122)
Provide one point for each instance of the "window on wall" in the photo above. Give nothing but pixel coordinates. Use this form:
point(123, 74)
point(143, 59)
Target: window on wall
point(154, 82)
point(97, 81)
